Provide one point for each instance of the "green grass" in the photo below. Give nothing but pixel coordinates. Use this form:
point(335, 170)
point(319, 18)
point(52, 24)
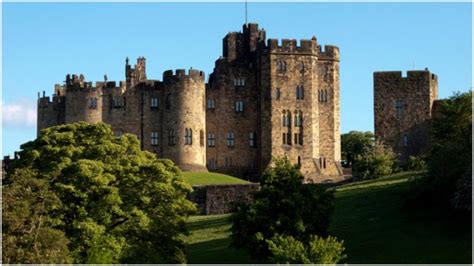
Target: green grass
point(373, 220)
point(202, 178)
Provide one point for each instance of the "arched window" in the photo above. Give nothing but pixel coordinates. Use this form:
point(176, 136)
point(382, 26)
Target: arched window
point(283, 118)
point(298, 118)
point(230, 139)
point(188, 136)
point(288, 118)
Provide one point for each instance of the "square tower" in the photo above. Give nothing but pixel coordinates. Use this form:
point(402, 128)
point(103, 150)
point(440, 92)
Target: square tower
point(402, 110)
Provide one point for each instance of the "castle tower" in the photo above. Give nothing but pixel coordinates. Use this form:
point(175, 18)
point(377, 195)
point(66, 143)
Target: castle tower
point(184, 119)
point(83, 101)
point(135, 75)
point(403, 109)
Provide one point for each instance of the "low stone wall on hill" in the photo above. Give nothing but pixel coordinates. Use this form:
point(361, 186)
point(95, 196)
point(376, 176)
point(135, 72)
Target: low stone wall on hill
point(220, 199)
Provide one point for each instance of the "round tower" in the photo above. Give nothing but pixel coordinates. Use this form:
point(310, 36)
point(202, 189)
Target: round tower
point(184, 126)
point(83, 102)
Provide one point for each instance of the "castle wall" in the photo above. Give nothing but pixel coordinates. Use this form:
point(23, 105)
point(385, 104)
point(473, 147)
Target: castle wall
point(327, 96)
point(402, 110)
point(184, 110)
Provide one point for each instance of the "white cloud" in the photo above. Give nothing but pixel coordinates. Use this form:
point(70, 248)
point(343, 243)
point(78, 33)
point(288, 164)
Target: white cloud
point(21, 112)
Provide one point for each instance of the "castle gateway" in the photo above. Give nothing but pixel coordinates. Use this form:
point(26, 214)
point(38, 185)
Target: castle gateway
point(263, 99)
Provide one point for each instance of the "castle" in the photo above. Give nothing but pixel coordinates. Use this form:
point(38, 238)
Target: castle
point(263, 99)
point(403, 108)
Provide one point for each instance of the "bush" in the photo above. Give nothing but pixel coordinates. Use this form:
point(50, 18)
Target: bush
point(111, 201)
point(374, 163)
point(462, 199)
point(284, 206)
point(416, 163)
point(286, 249)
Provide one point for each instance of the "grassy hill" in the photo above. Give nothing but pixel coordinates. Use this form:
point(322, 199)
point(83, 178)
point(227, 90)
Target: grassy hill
point(372, 220)
point(200, 178)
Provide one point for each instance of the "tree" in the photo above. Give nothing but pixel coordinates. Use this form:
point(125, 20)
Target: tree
point(282, 206)
point(374, 163)
point(354, 144)
point(119, 204)
point(451, 155)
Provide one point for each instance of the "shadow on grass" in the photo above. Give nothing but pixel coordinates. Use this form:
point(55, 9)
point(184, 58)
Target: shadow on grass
point(217, 251)
point(203, 224)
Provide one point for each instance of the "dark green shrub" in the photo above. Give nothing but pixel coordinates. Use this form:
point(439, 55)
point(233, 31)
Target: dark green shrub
point(284, 205)
point(416, 163)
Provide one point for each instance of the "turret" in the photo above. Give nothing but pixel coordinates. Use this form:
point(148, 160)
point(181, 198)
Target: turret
point(135, 75)
point(184, 126)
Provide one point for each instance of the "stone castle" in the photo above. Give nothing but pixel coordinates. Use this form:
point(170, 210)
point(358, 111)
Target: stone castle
point(403, 108)
point(263, 99)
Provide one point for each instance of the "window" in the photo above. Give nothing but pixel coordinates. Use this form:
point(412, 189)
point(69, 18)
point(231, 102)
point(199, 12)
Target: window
point(302, 66)
point(211, 140)
point(211, 104)
point(239, 106)
point(299, 92)
point(299, 161)
point(154, 138)
point(239, 82)
point(188, 136)
point(298, 119)
point(405, 140)
point(281, 66)
point(230, 139)
point(286, 119)
point(399, 108)
point(322, 162)
point(277, 93)
point(171, 137)
point(154, 102)
point(298, 139)
point(252, 139)
point(201, 138)
point(323, 95)
point(93, 103)
point(212, 164)
point(287, 138)
point(118, 102)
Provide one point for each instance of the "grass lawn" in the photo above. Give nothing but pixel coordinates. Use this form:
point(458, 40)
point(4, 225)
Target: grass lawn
point(200, 178)
point(372, 220)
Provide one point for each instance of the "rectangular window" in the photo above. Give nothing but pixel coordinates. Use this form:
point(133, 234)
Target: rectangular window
point(211, 140)
point(399, 108)
point(154, 138)
point(188, 136)
point(277, 93)
point(230, 139)
point(171, 137)
point(154, 102)
point(239, 106)
point(211, 104)
point(239, 82)
point(212, 164)
point(118, 102)
point(93, 103)
point(287, 138)
point(252, 139)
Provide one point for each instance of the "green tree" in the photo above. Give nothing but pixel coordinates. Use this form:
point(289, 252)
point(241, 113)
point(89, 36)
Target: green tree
point(451, 154)
point(119, 204)
point(354, 144)
point(374, 163)
point(283, 206)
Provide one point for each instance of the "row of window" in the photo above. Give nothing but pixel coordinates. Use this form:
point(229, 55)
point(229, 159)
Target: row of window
point(211, 139)
point(282, 65)
point(286, 118)
point(322, 95)
point(298, 139)
point(188, 137)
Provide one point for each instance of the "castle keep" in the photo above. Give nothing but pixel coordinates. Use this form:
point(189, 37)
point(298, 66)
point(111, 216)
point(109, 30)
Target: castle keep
point(403, 107)
point(265, 98)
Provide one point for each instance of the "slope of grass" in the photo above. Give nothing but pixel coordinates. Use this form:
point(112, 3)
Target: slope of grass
point(373, 220)
point(201, 178)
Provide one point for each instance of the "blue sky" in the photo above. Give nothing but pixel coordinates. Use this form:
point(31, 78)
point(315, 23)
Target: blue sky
point(42, 42)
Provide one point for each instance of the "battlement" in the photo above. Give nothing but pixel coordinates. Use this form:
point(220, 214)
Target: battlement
point(180, 74)
point(330, 52)
point(291, 46)
point(411, 75)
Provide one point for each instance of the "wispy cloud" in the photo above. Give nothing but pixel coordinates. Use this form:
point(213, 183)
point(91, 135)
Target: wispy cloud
point(21, 112)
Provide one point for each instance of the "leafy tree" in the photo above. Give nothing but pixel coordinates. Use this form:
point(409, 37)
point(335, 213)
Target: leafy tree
point(451, 154)
point(28, 234)
point(119, 204)
point(286, 249)
point(374, 163)
point(283, 206)
point(355, 143)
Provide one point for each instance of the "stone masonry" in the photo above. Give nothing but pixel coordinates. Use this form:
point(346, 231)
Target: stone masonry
point(265, 98)
point(403, 107)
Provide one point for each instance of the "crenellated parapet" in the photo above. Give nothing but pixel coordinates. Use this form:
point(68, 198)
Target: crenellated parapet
point(330, 52)
point(291, 46)
point(181, 74)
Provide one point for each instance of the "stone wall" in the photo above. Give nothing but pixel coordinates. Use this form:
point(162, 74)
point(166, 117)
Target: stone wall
point(220, 199)
point(403, 109)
